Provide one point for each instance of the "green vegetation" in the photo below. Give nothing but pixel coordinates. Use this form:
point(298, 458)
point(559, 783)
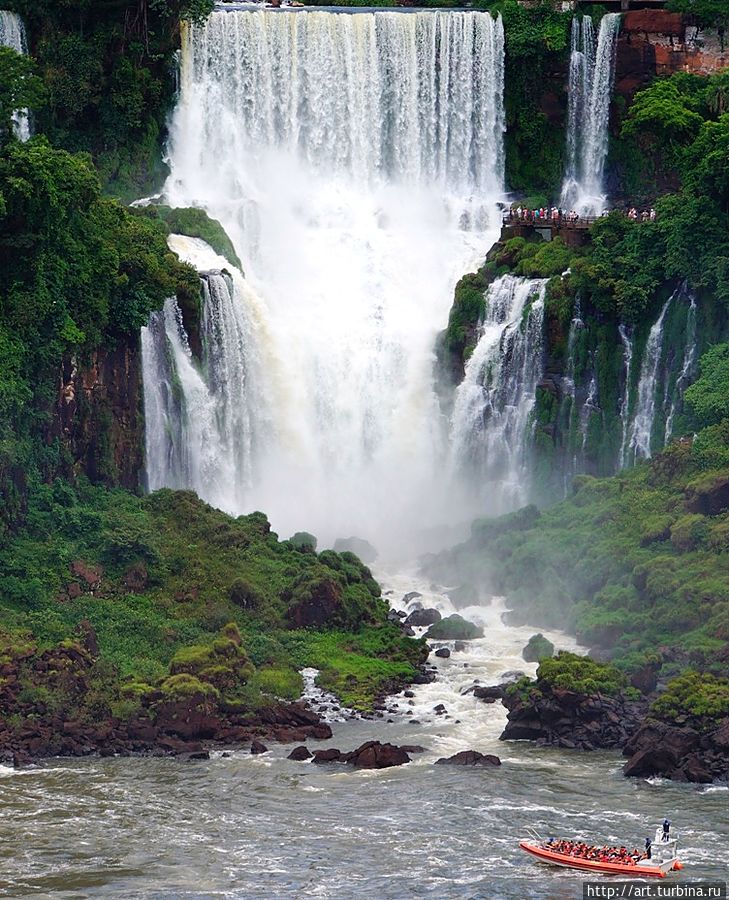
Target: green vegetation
point(107, 68)
point(454, 628)
point(167, 607)
point(701, 697)
point(537, 44)
point(582, 675)
point(196, 223)
point(538, 647)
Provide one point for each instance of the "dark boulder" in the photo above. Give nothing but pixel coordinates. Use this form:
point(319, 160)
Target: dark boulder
point(678, 751)
point(422, 617)
point(413, 748)
point(442, 652)
point(374, 755)
point(489, 694)
point(327, 756)
point(299, 753)
point(411, 596)
point(469, 758)
point(258, 747)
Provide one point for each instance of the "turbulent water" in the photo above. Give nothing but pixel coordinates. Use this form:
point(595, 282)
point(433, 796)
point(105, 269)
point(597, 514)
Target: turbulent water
point(354, 160)
point(490, 429)
point(12, 34)
point(591, 76)
point(246, 826)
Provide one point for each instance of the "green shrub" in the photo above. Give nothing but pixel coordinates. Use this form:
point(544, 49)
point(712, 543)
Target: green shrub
point(581, 675)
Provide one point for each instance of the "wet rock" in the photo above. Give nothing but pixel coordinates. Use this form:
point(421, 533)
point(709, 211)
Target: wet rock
point(681, 750)
point(454, 628)
point(469, 758)
point(299, 754)
point(413, 748)
point(258, 747)
point(442, 652)
point(87, 574)
point(645, 679)
point(439, 709)
point(459, 646)
point(408, 693)
point(551, 716)
point(489, 694)
point(412, 595)
point(327, 756)
point(422, 617)
point(512, 675)
point(197, 755)
point(375, 755)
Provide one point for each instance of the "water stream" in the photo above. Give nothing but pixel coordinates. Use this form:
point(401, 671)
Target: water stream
point(12, 34)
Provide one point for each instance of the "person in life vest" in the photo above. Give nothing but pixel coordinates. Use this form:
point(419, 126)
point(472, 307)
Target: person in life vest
point(648, 853)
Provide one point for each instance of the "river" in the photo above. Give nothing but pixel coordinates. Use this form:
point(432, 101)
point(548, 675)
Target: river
point(264, 826)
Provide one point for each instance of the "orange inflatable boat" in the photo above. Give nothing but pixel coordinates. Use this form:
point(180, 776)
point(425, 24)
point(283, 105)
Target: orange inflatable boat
point(661, 859)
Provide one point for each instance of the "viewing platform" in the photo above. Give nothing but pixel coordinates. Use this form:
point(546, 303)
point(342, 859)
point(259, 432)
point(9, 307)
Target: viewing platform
point(574, 233)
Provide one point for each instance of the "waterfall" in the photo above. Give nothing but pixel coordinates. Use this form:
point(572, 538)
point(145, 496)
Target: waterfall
point(491, 420)
point(588, 408)
point(199, 413)
point(688, 369)
point(591, 76)
point(12, 34)
point(354, 160)
point(627, 343)
point(642, 427)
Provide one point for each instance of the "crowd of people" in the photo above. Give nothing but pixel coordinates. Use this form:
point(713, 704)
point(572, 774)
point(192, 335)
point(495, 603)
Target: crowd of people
point(558, 216)
point(618, 855)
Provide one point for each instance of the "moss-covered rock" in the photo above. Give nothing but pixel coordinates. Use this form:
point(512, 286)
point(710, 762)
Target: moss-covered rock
point(454, 628)
point(538, 647)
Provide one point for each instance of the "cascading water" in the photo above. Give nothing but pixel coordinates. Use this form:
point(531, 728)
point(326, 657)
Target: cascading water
point(12, 34)
point(627, 342)
point(591, 76)
point(490, 427)
point(198, 412)
point(688, 369)
point(354, 159)
point(589, 407)
point(641, 434)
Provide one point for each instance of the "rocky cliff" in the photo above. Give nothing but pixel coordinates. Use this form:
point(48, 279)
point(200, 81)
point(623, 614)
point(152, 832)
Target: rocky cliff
point(98, 417)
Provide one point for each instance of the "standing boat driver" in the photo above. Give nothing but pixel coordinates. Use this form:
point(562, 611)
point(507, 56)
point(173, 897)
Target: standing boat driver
point(648, 853)
point(666, 830)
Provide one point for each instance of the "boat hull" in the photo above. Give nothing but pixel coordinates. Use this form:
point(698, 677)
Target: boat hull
point(591, 865)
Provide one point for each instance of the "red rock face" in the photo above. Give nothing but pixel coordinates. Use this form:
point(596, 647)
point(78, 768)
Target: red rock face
point(98, 416)
point(652, 21)
point(656, 42)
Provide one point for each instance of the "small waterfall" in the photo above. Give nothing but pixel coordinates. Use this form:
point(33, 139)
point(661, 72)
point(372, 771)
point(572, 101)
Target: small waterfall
point(642, 427)
point(688, 369)
point(627, 342)
point(591, 76)
point(12, 34)
point(200, 418)
point(490, 429)
point(588, 408)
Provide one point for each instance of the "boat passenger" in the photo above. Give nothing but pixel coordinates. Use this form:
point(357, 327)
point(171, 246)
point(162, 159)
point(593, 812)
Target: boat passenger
point(666, 830)
point(648, 853)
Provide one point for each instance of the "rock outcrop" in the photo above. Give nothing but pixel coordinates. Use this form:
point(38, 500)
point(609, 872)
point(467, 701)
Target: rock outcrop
point(469, 758)
point(681, 752)
point(370, 755)
point(562, 718)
